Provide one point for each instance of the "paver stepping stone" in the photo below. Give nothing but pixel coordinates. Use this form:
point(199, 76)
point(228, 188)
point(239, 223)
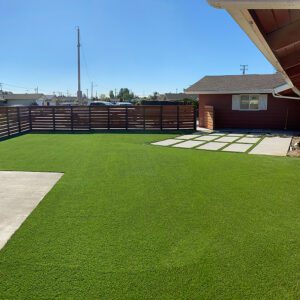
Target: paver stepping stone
point(189, 144)
point(277, 146)
point(253, 135)
point(238, 147)
point(206, 138)
point(217, 134)
point(168, 142)
point(235, 134)
point(212, 146)
point(187, 137)
point(227, 139)
point(249, 140)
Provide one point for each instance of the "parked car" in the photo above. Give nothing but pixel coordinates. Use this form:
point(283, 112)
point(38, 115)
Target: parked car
point(100, 103)
point(124, 104)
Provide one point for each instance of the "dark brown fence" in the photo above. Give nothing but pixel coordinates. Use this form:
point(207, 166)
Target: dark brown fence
point(15, 120)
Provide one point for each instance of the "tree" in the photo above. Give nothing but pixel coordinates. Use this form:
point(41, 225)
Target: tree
point(111, 95)
point(154, 96)
point(125, 94)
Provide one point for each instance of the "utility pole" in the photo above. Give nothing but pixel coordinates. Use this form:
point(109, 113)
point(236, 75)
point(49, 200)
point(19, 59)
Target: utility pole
point(116, 93)
point(87, 93)
point(36, 90)
point(244, 68)
point(79, 92)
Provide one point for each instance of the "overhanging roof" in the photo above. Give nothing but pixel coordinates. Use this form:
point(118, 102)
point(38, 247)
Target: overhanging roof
point(274, 26)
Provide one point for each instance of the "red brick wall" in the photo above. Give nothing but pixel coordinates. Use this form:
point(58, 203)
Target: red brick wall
point(273, 118)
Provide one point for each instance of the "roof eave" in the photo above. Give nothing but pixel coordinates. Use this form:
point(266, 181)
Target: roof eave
point(246, 22)
point(257, 4)
point(220, 92)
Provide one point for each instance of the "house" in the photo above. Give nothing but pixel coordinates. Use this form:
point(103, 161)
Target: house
point(258, 101)
point(10, 99)
point(244, 101)
point(176, 97)
point(47, 100)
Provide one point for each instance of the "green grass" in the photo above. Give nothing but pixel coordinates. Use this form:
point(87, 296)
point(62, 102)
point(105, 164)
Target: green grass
point(133, 221)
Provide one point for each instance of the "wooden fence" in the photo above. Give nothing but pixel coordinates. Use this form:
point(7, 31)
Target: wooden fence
point(15, 120)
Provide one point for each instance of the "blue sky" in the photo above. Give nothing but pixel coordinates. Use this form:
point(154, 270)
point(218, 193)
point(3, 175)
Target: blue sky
point(145, 45)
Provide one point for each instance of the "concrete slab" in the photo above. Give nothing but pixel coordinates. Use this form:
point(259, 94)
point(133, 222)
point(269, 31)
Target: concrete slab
point(206, 138)
point(253, 135)
point(277, 146)
point(235, 134)
point(212, 146)
point(20, 193)
point(186, 137)
point(249, 140)
point(217, 134)
point(227, 139)
point(189, 144)
point(168, 142)
point(237, 147)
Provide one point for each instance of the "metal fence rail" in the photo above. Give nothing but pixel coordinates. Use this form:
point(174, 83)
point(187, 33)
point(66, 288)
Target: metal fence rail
point(16, 120)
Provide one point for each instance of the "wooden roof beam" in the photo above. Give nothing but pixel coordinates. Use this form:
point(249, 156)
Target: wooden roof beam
point(284, 36)
point(290, 60)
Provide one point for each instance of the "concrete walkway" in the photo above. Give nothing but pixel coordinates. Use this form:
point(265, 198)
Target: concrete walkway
point(20, 193)
point(259, 143)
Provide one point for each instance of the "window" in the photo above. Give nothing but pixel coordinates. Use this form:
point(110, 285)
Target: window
point(249, 102)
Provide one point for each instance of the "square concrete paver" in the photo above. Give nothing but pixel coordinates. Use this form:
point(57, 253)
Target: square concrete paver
point(187, 137)
point(227, 139)
point(217, 134)
point(238, 147)
point(212, 146)
point(189, 144)
point(235, 134)
point(20, 193)
point(168, 142)
point(249, 140)
point(206, 138)
point(277, 146)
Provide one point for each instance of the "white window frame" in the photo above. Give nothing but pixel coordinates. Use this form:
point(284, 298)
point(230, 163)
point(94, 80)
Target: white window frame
point(262, 105)
point(249, 96)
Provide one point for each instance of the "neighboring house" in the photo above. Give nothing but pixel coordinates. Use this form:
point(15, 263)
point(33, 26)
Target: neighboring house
point(47, 100)
point(244, 101)
point(176, 97)
point(10, 99)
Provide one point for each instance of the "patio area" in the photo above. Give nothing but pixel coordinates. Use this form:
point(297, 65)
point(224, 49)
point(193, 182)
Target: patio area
point(258, 143)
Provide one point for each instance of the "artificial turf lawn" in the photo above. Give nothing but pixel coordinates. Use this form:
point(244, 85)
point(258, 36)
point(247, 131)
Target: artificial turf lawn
point(132, 220)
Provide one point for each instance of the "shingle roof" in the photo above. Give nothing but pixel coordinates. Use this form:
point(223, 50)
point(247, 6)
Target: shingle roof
point(176, 97)
point(254, 83)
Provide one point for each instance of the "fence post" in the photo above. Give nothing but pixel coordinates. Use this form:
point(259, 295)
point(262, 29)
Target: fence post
point(19, 119)
point(72, 122)
point(90, 119)
point(108, 117)
point(161, 117)
point(53, 118)
point(177, 116)
point(7, 122)
point(195, 118)
point(144, 116)
point(126, 109)
point(30, 118)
